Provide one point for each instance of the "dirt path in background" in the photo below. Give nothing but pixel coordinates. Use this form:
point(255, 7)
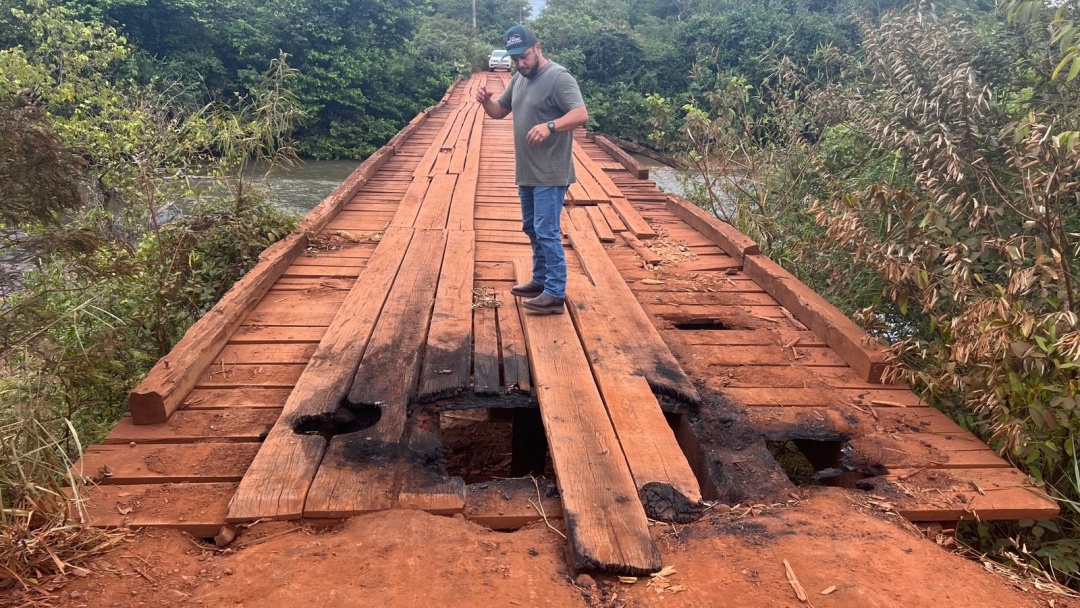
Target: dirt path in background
point(410, 558)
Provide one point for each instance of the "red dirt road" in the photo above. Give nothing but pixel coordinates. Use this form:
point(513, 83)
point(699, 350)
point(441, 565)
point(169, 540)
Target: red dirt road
point(409, 558)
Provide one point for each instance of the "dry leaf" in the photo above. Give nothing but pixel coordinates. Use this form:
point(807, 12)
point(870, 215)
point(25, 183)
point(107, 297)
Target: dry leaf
point(828, 590)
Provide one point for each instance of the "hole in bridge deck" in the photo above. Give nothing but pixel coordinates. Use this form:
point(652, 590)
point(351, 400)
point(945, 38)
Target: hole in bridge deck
point(490, 443)
point(706, 324)
point(347, 418)
point(809, 462)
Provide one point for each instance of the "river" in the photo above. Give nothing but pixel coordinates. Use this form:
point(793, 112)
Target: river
point(302, 187)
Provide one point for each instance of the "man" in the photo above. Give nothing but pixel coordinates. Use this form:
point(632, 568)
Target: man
point(547, 107)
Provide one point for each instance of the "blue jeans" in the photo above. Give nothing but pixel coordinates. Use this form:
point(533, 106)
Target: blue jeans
point(541, 209)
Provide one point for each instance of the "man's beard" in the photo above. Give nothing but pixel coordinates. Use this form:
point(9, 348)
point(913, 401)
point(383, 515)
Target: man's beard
point(529, 73)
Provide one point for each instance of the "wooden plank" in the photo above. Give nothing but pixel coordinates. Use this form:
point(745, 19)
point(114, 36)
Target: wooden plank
point(485, 351)
point(612, 218)
point(600, 225)
point(665, 482)
point(269, 334)
point(824, 397)
point(286, 352)
point(515, 355)
point(168, 463)
point(635, 224)
point(448, 355)
point(436, 207)
point(608, 530)
point(765, 355)
point(277, 481)
point(849, 340)
point(217, 398)
point(590, 191)
point(406, 212)
point(265, 375)
point(778, 421)
point(629, 162)
point(236, 424)
point(464, 198)
point(196, 508)
point(735, 243)
point(508, 504)
point(634, 329)
point(339, 491)
point(388, 373)
point(967, 494)
point(647, 255)
point(162, 391)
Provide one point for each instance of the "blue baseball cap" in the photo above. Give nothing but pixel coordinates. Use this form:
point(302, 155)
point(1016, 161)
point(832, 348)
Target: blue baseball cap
point(519, 39)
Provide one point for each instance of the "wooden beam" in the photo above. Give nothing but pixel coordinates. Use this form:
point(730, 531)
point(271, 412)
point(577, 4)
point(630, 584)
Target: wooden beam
point(847, 339)
point(722, 234)
point(607, 528)
point(163, 390)
point(629, 162)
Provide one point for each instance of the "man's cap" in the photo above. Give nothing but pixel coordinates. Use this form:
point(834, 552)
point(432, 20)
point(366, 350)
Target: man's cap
point(519, 39)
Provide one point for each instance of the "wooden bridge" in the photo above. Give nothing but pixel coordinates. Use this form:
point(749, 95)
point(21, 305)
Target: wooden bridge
point(319, 387)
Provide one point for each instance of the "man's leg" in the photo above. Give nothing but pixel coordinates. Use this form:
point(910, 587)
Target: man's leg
point(528, 215)
point(547, 206)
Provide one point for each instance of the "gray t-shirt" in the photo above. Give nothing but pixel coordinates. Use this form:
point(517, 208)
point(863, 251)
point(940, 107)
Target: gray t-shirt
point(550, 94)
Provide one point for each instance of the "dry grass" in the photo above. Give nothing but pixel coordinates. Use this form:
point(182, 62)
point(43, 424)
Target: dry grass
point(42, 535)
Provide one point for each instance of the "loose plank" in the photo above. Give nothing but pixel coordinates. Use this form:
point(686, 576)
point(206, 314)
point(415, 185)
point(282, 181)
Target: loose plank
point(607, 528)
point(633, 329)
point(665, 482)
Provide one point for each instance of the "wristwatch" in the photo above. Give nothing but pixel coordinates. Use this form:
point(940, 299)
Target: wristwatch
point(551, 126)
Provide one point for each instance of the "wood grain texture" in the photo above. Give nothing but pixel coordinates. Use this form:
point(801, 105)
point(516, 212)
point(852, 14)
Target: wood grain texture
point(277, 482)
point(606, 524)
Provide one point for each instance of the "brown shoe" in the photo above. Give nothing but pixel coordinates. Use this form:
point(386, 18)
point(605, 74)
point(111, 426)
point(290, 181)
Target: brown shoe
point(545, 304)
point(527, 290)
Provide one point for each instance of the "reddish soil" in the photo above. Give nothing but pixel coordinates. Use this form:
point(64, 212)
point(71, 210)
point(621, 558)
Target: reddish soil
point(409, 558)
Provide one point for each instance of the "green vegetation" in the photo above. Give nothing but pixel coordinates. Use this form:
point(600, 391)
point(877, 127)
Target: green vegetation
point(926, 180)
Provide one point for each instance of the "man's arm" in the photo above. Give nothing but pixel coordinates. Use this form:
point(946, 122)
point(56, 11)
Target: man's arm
point(492, 107)
point(573, 119)
point(576, 117)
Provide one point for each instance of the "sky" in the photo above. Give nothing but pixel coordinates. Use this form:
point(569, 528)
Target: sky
point(537, 6)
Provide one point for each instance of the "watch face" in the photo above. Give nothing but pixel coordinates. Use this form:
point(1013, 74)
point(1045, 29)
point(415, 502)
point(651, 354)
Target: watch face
point(551, 126)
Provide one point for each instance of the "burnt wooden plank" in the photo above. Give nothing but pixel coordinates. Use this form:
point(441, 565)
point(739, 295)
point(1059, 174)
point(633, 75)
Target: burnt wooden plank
point(665, 482)
point(485, 351)
point(607, 527)
point(279, 477)
point(448, 354)
point(388, 373)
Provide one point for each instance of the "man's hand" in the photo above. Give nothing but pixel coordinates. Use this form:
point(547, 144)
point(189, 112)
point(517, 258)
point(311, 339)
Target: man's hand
point(538, 134)
point(482, 94)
